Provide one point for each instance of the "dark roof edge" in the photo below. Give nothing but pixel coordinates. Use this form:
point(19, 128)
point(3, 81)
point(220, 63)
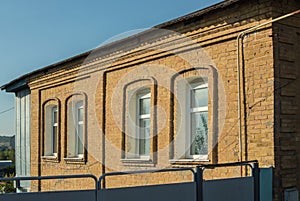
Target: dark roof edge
point(12, 86)
point(197, 13)
point(85, 54)
point(18, 85)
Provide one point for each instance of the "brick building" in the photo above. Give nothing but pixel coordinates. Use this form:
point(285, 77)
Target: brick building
point(217, 85)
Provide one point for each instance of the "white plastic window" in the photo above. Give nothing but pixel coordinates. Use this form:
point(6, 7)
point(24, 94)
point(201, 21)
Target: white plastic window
point(198, 120)
point(143, 124)
point(79, 131)
point(54, 130)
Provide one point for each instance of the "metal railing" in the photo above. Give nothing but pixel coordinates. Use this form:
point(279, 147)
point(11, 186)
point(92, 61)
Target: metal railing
point(102, 177)
point(39, 178)
point(197, 176)
point(18, 179)
point(252, 164)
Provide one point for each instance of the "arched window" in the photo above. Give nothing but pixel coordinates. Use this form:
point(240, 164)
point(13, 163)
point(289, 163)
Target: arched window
point(76, 127)
point(51, 129)
point(138, 130)
point(192, 118)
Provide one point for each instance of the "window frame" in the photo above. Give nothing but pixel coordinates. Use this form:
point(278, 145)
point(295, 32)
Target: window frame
point(79, 106)
point(54, 135)
point(180, 115)
point(49, 107)
point(178, 107)
point(129, 107)
point(73, 103)
point(193, 85)
point(140, 95)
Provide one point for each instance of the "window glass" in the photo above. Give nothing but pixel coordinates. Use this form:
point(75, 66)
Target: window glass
point(144, 105)
point(54, 115)
point(198, 118)
point(199, 97)
point(54, 129)
point(54, 139)
point(199, 129)
point(80, 139)
point(144, 138)
point(80, 114)
point(143, 121)
point(79, 128)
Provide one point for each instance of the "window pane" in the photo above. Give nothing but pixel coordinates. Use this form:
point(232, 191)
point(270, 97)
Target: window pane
point(199, 97)
point(54, 129)
point(54, 139)
point(144, 138)
point(199, 142)
point(144, 106)
point(80, 114)
point(80, 139)
point(54, 115)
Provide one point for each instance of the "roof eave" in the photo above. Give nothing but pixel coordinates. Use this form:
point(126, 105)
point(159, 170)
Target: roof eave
point(15, 85)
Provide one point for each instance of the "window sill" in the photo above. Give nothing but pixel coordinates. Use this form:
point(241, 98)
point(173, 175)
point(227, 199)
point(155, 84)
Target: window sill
point(53, 159)
point(138, 162)
point(188, 161)
point(75, 160)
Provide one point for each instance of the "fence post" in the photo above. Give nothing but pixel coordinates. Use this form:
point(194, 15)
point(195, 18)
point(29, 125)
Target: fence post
point(199, 183)
point(255, 174)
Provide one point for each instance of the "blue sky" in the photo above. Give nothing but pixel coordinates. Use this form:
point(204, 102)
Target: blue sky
point(36, 33)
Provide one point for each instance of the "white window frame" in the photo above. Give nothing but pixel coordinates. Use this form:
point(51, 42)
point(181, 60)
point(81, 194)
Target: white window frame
point(183, 137)
point(78, 123)
point(144, 94)
point(133, 117)
point(54, 136)
point(191, 110)
point(51, 132)
point(74, 123)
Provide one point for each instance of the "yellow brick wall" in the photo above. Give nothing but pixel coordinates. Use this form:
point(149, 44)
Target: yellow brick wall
point(286, 45)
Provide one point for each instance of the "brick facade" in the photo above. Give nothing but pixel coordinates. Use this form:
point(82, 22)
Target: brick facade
point(201, 45)
point(286, 130)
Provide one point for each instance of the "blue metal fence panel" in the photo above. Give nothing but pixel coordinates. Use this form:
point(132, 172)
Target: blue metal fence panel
point(266, 184)
point(235, 189)
point(168, 192)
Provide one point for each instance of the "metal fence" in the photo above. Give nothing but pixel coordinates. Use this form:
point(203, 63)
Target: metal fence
point(230, 189)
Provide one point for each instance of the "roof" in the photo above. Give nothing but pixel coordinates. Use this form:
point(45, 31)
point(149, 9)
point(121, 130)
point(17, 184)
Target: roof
point(21, 83)
point(198, 13)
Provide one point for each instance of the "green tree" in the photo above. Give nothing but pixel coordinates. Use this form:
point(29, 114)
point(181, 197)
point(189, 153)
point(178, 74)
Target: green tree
point(7, 154)
point(8, 186)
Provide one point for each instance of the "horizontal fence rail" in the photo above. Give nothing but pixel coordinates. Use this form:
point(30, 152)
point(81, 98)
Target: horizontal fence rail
point(235, 164)
point(91, 195)
point(39, 178)
point(102, 177)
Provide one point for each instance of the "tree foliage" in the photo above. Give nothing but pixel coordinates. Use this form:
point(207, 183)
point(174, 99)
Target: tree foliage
point(7, 153)
point(8, 186)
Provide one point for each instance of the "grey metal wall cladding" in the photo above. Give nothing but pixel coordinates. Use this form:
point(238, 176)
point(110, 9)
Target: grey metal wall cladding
point(22, 147)
point(237, 189)
point(51, 196)
point(174, 192)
